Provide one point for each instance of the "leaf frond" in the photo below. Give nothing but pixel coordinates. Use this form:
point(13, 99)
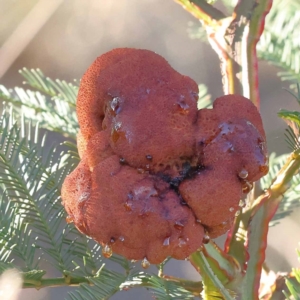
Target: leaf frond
point(197, 31)
point(52, 105)
point(204, 100)
point(54, 115)
point(14, 236)
point(291, 198)
point(56, 89)
point(106, 284)
point(162, 289)
point(279, 43)
point(293, 283)
point(295, 95)
point(28, 183)
point(31, 178)
point(292, 138)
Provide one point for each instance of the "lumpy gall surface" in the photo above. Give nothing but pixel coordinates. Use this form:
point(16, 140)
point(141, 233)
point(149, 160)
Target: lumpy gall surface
point(157, 176)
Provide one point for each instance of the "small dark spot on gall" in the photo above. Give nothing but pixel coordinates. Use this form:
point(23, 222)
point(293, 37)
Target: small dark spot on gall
point(149, 157)
point(122, 161)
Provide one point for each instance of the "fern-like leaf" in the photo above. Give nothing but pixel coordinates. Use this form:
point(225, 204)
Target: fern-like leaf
point(204, 100)
point(293, 283)
point(292, 138)
point(279, 44)
point(197, 31)
point(32, 179)
point(14, 237)
point(291, 198)
point(56, 89)
point(161, 289)
point(53, 106)
point(103, 286)
point(26, 180)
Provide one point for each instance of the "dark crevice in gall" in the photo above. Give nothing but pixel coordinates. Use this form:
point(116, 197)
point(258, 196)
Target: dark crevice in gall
point(187, 172)
point(182, 202)
point(201, 143)
point(206, 237)
point(122, 161)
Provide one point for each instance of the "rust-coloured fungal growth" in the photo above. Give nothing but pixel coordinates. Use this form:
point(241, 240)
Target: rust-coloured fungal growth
point(158, 177)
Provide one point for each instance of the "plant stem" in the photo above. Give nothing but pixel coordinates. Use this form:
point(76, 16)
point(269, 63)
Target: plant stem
point(256, 29)
point(252, 228)
point(203, 11)
point(195, 287)
point(54, 282)
point(262, 212)
point(234, 39)
point(213, 286)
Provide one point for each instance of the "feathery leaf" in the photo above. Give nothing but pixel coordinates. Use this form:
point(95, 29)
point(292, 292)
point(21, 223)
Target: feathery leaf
point(32, 179)
point(291, 198)
point(162, 289)
point(53, 106)
point(293, 283)
point(204, 100)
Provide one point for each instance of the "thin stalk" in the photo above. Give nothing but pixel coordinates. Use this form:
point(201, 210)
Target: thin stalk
point(203, 11)
point(251, 227)
point(195, 287)
point(261, 214)
point(213, 286)
point(256, 28)
point(55, 282)
point(234, 39)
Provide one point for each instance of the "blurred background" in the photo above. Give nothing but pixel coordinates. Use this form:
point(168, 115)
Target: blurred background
point(63, 37)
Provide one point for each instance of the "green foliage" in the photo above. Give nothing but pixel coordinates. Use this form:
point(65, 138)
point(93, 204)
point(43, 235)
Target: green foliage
point(204, 100)
point(162, 289)
point(293, 283)
point(31, 182)
point(196, 31)
point(33, 226)
point(213, 281)
point(104, 285)
point(14, 240)
point(280, 42)
point(291, 197)
point(292, 117)
point(52, 105)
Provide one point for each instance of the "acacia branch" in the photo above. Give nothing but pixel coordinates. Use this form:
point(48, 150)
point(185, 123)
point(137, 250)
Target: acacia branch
point(203, 11)
point(256, 28)
point(55, 282)
point(195, 287)
point(252, 227)
point(234, 39)
point(213, 279)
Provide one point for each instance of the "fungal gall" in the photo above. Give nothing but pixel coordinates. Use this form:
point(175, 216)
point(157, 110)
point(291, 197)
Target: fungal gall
point(152, 164)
